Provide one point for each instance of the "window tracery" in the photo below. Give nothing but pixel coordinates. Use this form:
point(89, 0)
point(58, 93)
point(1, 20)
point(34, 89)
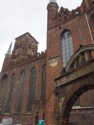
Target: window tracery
point(8, 104)
point(32, 89)
point(67, 46)
point(43, 83)
point(20, 92)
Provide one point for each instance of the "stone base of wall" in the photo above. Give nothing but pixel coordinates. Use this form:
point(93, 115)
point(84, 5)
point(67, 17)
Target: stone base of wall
point(24, 119)
point(83, 116)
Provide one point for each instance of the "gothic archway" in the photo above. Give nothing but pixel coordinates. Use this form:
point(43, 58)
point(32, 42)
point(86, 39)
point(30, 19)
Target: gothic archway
point(84, 84)
point(80, 53)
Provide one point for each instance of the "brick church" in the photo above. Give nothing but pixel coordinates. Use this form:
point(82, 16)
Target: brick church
point(56, 85)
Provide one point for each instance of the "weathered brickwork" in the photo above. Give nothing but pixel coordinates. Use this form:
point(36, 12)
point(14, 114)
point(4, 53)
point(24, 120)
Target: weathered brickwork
point(15, 66)
point(80, 23)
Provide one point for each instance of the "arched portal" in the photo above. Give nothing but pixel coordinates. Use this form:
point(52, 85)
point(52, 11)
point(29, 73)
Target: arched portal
point(73, 81)
point(85, 83)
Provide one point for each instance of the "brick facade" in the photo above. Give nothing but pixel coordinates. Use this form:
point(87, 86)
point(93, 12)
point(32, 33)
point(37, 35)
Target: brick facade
point(14, 64)
point(80, 22)
point(59, 20)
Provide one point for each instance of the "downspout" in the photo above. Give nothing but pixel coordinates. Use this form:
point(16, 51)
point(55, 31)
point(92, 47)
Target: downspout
point(89, 28)
point(79, 30)
point(81, 38)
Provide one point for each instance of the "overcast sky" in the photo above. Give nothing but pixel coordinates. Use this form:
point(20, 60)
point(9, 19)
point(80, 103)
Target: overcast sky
point(21, 16)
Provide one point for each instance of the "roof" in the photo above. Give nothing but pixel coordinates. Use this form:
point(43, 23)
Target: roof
point(26, 34)
point(52, 1)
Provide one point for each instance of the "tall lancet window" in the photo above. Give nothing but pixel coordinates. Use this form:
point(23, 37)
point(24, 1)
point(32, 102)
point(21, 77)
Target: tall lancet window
point(43, 83)
point(67, 46)
point(32, 89)
point(20, 92)
point(8, 104)
point(3, 92)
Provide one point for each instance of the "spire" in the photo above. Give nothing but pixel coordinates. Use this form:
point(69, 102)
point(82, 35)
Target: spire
point(9, 49)
point(52, 1)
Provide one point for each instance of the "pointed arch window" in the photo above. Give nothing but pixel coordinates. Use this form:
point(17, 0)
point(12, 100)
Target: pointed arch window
point(8, 104)
point(3, 93)
point(43, 83)
point(67, 46)
point(32, 89)
point(20, 92)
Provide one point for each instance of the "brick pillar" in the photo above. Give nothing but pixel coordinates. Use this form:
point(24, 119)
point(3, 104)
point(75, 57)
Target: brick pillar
point(82, 58)
point(89, 55)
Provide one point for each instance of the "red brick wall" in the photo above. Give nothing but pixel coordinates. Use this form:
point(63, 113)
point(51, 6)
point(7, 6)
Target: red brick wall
point(58, 21)
point(38, 106)
point(54, 48)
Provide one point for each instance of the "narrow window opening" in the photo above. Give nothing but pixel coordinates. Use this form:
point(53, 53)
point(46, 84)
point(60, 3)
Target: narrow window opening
point(32, 90)
point(67, 47)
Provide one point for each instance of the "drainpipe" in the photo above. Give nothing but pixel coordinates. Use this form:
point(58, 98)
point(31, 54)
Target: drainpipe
point(81, 38)
point(79, 30)
point(89, 28)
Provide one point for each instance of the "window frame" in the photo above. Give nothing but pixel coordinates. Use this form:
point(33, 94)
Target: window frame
point(67, 46)
point(32, 89)
point(20, 91)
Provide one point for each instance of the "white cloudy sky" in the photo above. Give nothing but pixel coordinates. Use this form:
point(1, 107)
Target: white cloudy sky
point(20, 16)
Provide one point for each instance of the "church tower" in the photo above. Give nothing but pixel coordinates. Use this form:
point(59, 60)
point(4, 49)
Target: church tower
point(53, 61)
point(25, 46)
point(52, 12)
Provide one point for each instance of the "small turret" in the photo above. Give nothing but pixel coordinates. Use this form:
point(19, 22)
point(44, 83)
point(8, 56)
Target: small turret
point(52, 11)
point(52, 1)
